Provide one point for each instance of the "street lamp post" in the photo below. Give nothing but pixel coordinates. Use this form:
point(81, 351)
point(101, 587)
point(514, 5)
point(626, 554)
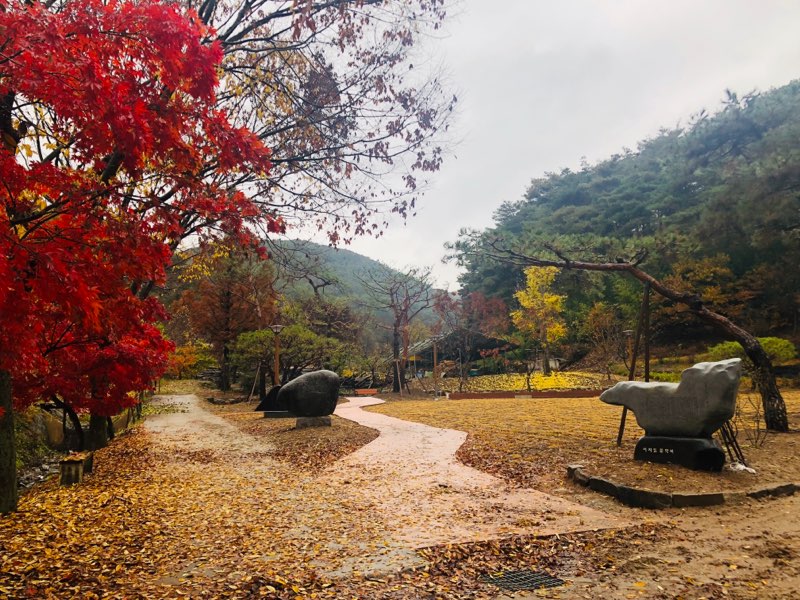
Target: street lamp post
point(276, 372)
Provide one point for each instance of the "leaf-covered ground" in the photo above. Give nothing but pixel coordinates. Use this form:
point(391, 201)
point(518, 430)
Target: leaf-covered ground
point(192, 506)
point(198, 512)
point(514, 382)
point(310, 449)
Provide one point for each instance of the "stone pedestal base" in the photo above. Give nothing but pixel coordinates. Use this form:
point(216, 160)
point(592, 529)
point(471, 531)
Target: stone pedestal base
point(303, 422)
point(700, 454)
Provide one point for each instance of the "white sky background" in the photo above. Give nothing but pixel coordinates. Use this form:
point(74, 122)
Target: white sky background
point(543, 83)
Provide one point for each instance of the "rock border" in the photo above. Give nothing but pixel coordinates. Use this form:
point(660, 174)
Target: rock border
point(523, 394)
point(644, 498)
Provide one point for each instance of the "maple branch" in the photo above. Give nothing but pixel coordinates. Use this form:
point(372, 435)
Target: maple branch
point(297, 8)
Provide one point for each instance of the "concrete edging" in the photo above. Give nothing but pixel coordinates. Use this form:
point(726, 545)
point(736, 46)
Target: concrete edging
point(644, 498)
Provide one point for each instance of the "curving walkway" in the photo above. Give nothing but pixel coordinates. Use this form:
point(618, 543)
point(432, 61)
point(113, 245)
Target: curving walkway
point(427, 497)
point(367, 513)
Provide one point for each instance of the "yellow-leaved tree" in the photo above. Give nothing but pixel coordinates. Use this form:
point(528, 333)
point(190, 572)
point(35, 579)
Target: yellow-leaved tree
point(539, 315)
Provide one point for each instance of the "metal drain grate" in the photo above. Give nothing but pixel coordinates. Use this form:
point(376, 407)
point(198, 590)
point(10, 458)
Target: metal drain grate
point(523, 580)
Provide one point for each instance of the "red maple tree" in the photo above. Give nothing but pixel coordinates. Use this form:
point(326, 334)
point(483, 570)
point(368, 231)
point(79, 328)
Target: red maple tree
point(107, 124)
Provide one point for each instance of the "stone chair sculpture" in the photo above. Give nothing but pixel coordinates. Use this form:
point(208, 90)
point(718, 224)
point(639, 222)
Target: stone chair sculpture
point(680, 418)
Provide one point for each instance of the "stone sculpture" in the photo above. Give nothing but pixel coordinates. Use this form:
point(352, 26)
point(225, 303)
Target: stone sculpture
point(270, 403)
point(679, 419)
point(311, 398)
point(312, 394)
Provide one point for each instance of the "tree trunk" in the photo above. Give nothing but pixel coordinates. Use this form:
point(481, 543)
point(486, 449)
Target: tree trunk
point(528, 374)
point(98, 433)
point(225, 371)
point(775, 416)
point(764, 379)
point(262, 382)
point(463, 371)
point(8, 454)
point(545, 352)
point(398, 371)
point(76, 422)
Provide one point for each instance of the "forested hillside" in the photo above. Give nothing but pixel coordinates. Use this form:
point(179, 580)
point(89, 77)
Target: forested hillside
point(335, 271)
point(715, 204)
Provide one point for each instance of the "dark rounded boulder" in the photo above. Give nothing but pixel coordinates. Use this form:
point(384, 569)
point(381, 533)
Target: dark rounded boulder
point(311, 395)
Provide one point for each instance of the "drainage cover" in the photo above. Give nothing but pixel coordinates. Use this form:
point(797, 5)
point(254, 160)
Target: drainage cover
point(522, 580)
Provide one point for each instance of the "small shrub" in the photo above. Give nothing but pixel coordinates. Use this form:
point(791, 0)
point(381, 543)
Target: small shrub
point(665, 376)
point(778, 350)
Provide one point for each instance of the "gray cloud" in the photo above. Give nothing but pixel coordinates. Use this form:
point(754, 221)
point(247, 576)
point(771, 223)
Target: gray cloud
point(544, 83)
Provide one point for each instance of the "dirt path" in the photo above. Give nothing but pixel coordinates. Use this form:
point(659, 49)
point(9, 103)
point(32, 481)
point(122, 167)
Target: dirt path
point(427, 497)
point(187, 424)
point(366, 514)
point(241, 511)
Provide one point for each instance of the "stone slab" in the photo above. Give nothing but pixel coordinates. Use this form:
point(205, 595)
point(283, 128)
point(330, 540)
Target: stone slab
point(270, 403)
point(786, 489)
point(312, 394)
point(604, 486)
point(572, 469)
point(699, 454)
point(641, 498)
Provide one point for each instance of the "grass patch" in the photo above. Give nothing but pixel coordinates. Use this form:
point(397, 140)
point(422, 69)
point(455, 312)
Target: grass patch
point(513, 382)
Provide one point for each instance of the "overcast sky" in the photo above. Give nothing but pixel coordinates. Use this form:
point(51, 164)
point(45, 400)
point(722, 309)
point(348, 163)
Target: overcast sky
point(543, 83)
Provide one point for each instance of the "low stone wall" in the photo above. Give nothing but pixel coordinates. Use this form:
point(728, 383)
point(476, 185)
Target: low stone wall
point(53, 433)
point(644, 498)
point(526, 394)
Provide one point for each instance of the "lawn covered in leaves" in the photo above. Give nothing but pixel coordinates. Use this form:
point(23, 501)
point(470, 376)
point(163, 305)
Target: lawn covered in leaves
point(312, 448)
point(529, 442)
point(517, 382)
point(180, 522)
